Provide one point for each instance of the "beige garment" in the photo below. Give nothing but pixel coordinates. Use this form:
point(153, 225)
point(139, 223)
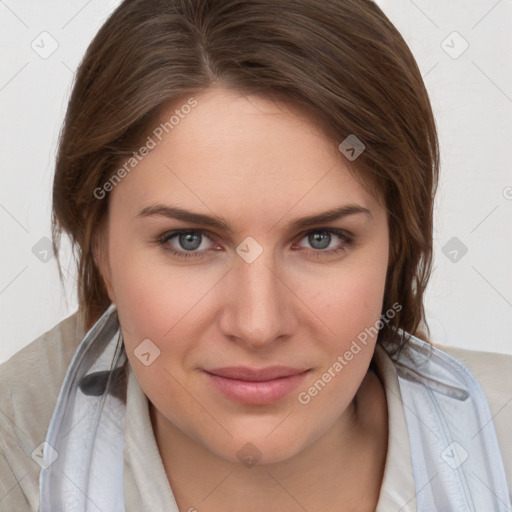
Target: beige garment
point(31, 379)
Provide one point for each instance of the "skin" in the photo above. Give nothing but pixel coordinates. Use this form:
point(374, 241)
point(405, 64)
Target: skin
point(259, 165)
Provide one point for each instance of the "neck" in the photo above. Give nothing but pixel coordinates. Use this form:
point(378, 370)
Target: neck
point(342, 470)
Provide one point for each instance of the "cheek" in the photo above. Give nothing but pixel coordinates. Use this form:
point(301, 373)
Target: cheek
point(154, 302)
point(151, 295)
point(347, 351)
point(352, 299)
point(351, 308)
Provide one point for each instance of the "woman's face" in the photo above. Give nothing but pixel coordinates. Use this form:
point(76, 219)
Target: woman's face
point(251, 284)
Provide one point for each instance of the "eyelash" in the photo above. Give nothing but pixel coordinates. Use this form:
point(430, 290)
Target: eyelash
point(347, 242)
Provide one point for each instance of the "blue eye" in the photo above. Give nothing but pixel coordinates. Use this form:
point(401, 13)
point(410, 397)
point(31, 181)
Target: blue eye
point(321, 239)
point(191, 240)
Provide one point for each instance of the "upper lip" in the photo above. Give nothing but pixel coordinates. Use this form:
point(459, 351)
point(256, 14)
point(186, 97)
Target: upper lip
point(256, 374)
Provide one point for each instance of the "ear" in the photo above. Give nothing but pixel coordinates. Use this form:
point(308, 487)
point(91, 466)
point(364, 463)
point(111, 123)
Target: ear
point(101, 259)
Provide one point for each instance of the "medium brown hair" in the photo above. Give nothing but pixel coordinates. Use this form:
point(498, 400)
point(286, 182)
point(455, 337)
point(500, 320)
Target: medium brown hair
point(340, 60)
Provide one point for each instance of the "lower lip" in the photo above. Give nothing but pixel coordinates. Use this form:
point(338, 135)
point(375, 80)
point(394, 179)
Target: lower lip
point(256, 393)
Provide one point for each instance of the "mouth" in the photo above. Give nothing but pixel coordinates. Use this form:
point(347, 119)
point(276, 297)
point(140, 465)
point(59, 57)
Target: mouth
point(253, 386)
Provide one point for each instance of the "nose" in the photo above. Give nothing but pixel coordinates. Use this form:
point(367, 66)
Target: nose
point(258, 304)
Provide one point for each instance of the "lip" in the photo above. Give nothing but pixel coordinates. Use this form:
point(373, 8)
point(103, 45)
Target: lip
point(254, 386)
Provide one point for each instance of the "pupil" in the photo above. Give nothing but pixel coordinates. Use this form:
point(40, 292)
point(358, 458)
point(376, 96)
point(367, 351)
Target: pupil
point(317, 237)
point(187, 241)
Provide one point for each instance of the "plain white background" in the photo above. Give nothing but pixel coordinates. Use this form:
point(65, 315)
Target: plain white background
point(463, 50)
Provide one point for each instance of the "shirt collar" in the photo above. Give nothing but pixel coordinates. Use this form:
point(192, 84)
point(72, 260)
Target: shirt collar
point(145, 479)
point(398, 492)
point(147, 486)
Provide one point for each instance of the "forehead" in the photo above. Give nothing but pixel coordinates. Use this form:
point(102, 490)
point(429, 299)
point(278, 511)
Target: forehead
point(232, 151)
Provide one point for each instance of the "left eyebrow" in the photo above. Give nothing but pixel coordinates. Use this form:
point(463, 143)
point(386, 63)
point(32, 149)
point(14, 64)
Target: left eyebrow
point(174, 212)
point(329, 216)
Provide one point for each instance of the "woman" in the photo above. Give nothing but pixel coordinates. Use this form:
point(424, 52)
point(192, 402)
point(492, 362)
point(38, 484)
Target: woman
point(249, 187)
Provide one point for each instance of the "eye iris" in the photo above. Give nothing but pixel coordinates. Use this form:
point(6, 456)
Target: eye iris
point(323, 237)
point(187, 241)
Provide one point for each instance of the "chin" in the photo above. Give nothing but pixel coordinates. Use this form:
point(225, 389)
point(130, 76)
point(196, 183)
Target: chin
point(260, 446)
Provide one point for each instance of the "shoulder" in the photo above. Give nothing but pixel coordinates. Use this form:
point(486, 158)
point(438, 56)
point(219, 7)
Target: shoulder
point(35, 373)
point(30, 382)
point(493, 370)
point(494, 373)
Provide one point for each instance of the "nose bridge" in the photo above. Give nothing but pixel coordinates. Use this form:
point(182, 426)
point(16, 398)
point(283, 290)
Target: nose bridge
point(259, 299)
